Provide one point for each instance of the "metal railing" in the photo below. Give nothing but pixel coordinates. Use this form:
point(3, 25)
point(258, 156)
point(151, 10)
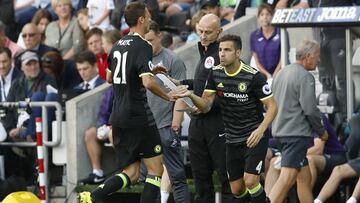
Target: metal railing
point(46, 142)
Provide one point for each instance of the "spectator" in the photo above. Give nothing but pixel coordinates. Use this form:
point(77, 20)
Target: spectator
point(7, 72)
point(65, 75)
point(6, 42)
point(167, 40)
point(297, 116)
point(109, 38)
point(350, 169)
point(24, 11)
point(213, 6)
point(64, 34)
point(41, 19)
point(7, 16)
point(83, 19)
point(32, 84)
point(333, 154)
point(174, 7)
point(32, 40)
point(322, 156)
point(88, 71)
point(265, 43)
point(99, 13)
point(95, 136)
point(168, 120)
point(292, 4)
point(193, 36)
point(94, 44)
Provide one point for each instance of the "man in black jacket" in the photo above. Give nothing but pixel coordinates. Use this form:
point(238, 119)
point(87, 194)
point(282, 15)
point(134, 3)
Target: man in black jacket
point(206, 131)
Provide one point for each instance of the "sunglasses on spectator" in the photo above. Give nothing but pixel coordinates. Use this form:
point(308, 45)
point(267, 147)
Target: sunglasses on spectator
point(47, 61)
point(28, 35)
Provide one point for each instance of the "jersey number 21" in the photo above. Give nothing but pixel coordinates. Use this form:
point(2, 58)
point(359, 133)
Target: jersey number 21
point(120, 65)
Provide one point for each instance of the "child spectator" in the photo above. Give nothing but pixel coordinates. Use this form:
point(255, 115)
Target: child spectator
point(194, 37)
point(83, 19)
point(265, 43)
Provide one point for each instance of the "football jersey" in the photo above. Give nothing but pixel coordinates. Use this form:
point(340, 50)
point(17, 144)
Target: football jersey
point(128, 61)
point(240, 96)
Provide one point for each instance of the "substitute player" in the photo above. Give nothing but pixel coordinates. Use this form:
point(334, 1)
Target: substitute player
point(242, 91)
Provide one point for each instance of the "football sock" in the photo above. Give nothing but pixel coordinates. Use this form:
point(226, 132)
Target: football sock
point(244, 196)
point(111, 185)
point(257, 194)
point(151, 189)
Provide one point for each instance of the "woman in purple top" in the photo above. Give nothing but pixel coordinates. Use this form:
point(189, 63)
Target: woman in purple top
point(265, 43)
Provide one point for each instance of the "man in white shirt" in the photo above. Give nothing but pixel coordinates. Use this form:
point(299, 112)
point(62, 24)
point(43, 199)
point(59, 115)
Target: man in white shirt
point(7, 72)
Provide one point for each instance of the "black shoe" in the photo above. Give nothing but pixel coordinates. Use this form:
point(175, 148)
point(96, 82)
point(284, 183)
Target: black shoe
point(93, 179)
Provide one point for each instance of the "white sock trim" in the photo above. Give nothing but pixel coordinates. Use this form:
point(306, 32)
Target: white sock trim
point(164, 196)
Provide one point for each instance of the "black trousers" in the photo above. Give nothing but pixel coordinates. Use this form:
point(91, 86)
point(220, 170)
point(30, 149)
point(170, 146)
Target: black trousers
point(207, 153)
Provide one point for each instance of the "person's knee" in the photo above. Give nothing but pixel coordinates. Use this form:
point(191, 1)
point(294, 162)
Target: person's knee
point(337, 172)
point(90, 135)
point(154, 165)
point(237, 187)
point(251, 181)
point(133, 172)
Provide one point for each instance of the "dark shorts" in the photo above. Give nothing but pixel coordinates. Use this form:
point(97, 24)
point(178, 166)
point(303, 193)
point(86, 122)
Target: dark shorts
point(355, 164)
point(240, 159)
point(332, 160)
point(293, 151)
point(133, 144)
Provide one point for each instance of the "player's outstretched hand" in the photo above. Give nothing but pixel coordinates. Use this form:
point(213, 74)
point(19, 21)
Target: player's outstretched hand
point(159, 69)
point(181, 91)
point(254, 138)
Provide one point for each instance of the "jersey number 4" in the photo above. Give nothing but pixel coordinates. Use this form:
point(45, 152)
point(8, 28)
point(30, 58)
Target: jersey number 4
point(120, 65)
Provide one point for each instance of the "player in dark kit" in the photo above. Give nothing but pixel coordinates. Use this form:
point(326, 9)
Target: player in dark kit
point(242, 91)
point(135, 135)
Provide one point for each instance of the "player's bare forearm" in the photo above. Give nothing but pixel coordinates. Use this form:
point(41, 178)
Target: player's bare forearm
point(204, 103)
point(271, 111)
point(178, 116)
point(103, 17)
point(150, 83)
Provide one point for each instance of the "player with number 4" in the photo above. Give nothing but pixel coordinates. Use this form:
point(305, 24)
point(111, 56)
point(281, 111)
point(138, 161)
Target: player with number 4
point(242, 92)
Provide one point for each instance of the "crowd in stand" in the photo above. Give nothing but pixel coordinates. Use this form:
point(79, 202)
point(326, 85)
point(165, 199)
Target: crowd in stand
point(51, 47)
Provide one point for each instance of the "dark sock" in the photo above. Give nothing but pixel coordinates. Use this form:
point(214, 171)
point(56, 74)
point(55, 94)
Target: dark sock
point(111, 185)
point(151, 189)
point(258, 194)
point(244, 197)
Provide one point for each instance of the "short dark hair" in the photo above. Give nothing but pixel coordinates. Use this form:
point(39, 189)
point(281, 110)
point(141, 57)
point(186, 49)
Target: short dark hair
point(267, 7)
point(133, 11)
point(85, 56)
point(93, 31)
point(234, 38)
point(5, 50)
point(154, 27)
